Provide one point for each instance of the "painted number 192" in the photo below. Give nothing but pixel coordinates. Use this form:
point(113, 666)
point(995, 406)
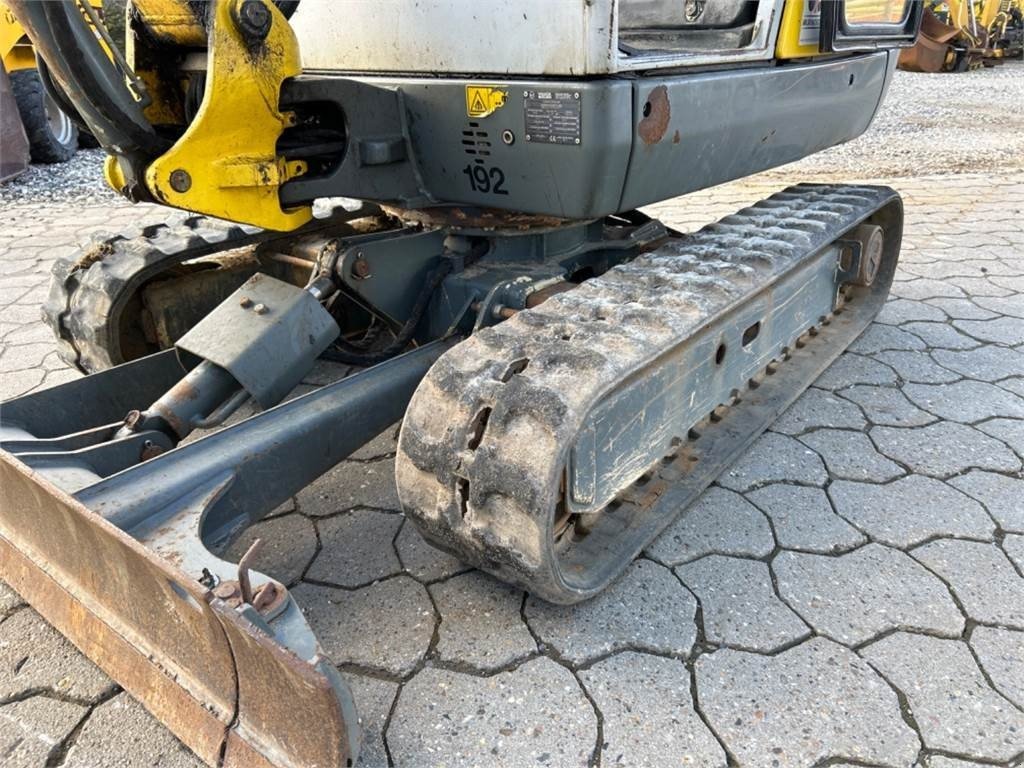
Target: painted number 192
point(484, 179)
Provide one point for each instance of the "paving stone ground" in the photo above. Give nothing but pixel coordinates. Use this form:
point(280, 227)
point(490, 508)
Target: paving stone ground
point(850, 593)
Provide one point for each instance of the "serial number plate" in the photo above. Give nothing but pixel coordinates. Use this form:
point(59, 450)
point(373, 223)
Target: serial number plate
point(553, 117)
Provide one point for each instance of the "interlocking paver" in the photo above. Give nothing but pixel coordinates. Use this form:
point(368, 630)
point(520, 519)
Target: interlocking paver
point(966, 401)
point(853, 369)
point(9, 599)
point(855, 597)
point(1013, 384)
point(948, 244)
point(917, 367)
point(351, 484)
point(1013, 546)
point(646, 609)
point(900, 311)
point(120, 733)
point(771, 459)
point(953, 705)
point(851, 456)
point(32, 730)
point(738, 605)
point(818, 408)
point(927, 288)
point(1002, 305)
point(805, 705)
point(536, 715)
point(1001, 330)
point(804, 519)
point(720, 521)
point(981, 577)
point(648, 713)
point(1002, 496)
point(384, 627)
point(481, 626)
point(941, 761)
point(944, 449)
point(988, 363)
point(35, 657)
point(880, 338)
point(423, 561)
point(1001, 653)
point(962, 309)
point(374, 699)
point(910, 510)
point(887, 406)
point(357, 548)
point(1010, 431)
point(287, 546)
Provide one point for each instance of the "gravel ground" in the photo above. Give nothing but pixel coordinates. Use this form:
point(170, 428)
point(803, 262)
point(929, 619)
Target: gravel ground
point(964, 123)
point(935, 123)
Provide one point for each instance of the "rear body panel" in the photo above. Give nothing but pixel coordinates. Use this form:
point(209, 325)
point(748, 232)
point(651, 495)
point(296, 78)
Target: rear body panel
point(609, 146)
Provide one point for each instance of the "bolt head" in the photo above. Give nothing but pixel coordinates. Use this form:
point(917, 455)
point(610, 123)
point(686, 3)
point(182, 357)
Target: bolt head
point(361, 268)
point(254, 19)
point(181, 182)
point(226, 590)
point(244, 302)
point(260, 309)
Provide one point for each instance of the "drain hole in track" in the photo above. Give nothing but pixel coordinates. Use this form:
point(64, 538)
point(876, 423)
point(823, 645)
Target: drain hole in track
point(751, 333)
point(478, 427)
point(515, 367)
point(720, 354)
point(462, 489)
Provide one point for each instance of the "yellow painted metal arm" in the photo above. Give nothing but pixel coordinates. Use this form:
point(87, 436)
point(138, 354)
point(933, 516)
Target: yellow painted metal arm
point(226, 163)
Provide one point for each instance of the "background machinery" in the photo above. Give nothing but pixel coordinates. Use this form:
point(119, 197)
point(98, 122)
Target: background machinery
point(48, 121)
point(963, 34)
point(570, 373)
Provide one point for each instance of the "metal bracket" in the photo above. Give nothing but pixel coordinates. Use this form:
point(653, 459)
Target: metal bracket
point(266, 334)
point(226, 166)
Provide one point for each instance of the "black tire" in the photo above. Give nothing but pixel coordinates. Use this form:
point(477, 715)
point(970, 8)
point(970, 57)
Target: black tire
point(52, 135)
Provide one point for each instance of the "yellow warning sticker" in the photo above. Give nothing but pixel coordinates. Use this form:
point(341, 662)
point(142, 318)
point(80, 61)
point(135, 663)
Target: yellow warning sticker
point(484, 100)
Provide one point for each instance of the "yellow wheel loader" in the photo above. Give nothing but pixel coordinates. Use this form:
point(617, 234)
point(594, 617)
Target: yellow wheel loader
point(47, 119)
point(570, 374)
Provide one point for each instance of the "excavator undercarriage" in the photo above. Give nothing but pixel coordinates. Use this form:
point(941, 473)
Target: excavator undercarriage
point(570, 374)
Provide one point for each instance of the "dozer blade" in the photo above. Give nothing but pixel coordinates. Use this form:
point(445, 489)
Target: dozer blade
point(120, 561)
point(223, 686)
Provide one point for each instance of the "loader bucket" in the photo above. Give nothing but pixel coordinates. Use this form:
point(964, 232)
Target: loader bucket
point(929, 53)
point(14, 152)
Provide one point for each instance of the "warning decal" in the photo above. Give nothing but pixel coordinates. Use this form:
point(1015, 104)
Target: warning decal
point(483, 100)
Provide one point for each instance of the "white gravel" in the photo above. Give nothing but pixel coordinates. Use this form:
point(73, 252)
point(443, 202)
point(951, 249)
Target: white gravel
point(928, 124)
point(79, 180)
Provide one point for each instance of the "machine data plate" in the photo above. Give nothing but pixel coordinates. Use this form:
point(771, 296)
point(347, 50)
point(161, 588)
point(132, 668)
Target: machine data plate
point(553, 117)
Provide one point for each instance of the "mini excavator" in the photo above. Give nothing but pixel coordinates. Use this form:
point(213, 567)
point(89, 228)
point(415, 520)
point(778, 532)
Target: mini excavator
point(442, 195)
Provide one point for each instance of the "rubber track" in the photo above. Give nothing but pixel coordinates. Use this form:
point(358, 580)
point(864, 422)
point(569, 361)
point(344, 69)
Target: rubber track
point(86, 287)
point(485, 438)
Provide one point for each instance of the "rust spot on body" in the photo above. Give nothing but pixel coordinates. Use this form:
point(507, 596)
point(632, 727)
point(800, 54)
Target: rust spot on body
point(657, 112)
